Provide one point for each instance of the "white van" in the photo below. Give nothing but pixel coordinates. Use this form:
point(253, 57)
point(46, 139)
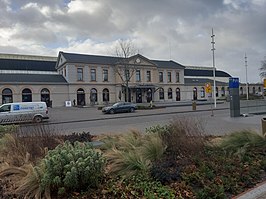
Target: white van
point(23, 112)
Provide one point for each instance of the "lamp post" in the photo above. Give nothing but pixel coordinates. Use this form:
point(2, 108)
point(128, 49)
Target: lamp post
point(246, 65)
point(213, 65)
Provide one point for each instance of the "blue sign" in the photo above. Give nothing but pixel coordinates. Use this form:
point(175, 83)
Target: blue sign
point(233, 82)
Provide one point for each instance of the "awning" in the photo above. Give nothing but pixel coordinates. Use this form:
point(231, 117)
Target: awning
point(143, 86)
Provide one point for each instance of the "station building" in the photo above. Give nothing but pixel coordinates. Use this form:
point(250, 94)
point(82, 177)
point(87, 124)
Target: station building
point(87, 80)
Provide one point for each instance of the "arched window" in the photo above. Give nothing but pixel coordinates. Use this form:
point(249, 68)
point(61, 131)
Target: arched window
point(93, 95)
point(26, 95)
point(45, 96)
point(253, 90)
point(259, 89)
point(161, 94)
point(7, 96)
point(178, 95)
point(202, 92)
point(170, 93)
point(223, 91)
point(81, 97)
point(195, 93)
point(217, 92)
point(106, 95)
point(241, 90)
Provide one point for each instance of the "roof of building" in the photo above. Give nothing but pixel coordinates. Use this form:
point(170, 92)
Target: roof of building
point(21, 64)
point(31, 78)
point(107, 60)
point(203, 81)
point(205, 73)
point(168, 64)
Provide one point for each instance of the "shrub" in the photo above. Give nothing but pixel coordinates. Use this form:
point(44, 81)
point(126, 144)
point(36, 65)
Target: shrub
point(73, 168)
point(132, 153)
point(241, 139)
point(138, 186)
point(165, 171)
point(25, 181)
point(80, 137)
point(183, 137)
point(7, 129)
point(32, 142)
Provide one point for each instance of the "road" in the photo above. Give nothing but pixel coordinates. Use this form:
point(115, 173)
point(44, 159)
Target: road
point(68, 120)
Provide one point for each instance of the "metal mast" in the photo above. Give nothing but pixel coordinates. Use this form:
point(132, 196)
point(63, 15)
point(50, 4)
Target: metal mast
point(213, 65)
point(246, 65)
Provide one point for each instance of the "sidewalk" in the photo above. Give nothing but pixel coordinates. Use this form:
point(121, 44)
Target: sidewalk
point(258, 192)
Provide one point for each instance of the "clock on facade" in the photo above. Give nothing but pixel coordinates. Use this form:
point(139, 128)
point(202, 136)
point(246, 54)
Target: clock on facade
point(138, 60)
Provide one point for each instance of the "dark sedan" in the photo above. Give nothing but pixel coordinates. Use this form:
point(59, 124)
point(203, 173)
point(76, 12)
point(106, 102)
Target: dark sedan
point(120, 107)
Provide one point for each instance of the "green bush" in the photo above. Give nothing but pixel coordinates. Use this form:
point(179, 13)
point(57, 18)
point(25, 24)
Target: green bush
point(7, 129)
point(138, 186)
point(75, 167)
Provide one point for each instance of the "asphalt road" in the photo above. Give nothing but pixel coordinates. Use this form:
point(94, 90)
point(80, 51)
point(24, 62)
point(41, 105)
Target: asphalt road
point(69, 120)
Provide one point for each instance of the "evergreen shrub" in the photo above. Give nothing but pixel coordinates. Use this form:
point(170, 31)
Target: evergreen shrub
point(75, 167)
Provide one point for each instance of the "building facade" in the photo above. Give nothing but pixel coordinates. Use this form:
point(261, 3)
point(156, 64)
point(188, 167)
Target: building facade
point(87, 80)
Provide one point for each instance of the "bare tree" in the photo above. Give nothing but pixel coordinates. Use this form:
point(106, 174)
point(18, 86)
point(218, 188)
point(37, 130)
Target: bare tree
point(125, 69)
point(263, 68)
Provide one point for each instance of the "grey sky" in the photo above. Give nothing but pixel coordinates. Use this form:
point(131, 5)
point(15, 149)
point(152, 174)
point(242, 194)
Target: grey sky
point(160, 29)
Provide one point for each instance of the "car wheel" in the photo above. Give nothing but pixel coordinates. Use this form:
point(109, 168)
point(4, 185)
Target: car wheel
point(132, 110)
point(37, 119)
point(112, 111)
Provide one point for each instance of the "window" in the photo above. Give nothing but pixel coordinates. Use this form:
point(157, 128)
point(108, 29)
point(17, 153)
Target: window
point(202, 92)
point(81, 97)
point(241, 91)
point(138, 76)
point(93, 75)
point(148, 76)
point(26, 95)
point(5, 108)
point(93, 96)
point(170, 93)
point(65, 72)
point(80, 74)
point(169, 76)
point(223, 91)
point(105, 75)
point(161, 94)
point(160, 76)
point(7, 96)
point(105, 95)
point(127, 75)
point(177, 77)
point(45, 96)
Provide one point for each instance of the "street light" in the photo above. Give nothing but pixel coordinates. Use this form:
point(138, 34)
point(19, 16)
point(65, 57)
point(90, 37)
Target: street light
point(246, 65)
point(213, 65)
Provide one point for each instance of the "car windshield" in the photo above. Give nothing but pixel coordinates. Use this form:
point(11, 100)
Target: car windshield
point(117, 104)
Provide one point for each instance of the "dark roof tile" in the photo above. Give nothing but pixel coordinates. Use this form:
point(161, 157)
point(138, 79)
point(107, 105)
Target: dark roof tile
point(33, 65)
point(205, 73)
point(31, 78)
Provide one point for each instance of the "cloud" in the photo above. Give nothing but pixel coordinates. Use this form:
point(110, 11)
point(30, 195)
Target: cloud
point(170, 29)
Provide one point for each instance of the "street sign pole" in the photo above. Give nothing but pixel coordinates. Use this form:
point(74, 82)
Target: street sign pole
point(208, 89)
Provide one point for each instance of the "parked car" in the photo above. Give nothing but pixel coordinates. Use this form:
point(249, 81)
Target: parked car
point(23, 112)
point(120, 107)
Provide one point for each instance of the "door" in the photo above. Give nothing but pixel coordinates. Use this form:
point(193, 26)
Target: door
point(149, 95)
point(138, 96)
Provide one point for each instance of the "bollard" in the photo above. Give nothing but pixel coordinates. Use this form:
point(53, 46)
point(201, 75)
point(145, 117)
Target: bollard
point(263, 125)
point(194, 106)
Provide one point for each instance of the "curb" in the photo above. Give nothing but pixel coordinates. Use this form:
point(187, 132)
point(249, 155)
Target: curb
point(258, 192)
